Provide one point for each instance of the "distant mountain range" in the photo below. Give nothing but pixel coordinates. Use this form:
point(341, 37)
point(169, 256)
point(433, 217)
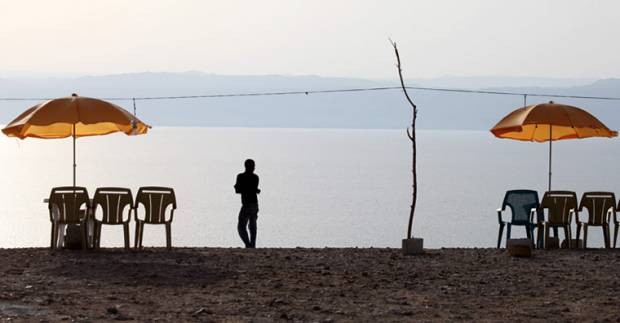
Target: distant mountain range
point(373, 109)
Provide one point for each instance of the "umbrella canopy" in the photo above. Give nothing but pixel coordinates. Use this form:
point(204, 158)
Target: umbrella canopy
point(548, 122)
point(74, 116)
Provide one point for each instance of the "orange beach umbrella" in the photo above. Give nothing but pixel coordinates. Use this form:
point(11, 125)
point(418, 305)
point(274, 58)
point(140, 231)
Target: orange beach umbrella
point(548, 122)
point(74, 116)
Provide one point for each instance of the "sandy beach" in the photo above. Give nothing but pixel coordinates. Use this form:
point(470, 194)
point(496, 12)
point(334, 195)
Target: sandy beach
point(322, 285)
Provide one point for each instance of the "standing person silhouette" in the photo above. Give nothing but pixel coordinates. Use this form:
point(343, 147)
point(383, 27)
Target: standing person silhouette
point(247, 186)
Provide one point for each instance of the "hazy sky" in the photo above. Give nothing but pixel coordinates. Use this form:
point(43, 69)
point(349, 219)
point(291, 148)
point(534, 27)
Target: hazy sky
point(544, 38)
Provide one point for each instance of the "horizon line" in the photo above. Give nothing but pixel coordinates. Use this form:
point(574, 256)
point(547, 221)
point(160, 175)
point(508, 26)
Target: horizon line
point(20, 74)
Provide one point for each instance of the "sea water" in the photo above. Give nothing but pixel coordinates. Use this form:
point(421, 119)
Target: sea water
point(319, 187)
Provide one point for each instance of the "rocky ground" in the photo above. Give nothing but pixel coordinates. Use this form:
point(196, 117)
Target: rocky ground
point(322, 285)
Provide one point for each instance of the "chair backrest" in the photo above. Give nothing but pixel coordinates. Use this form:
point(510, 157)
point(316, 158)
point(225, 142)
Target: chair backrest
point(114, 201)
point(521, 202)
point(155, 201)
point(66, 202)
point(597, 204)
point(559, 204)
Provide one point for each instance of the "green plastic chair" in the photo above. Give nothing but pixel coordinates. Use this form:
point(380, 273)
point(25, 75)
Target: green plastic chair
point(523, 205)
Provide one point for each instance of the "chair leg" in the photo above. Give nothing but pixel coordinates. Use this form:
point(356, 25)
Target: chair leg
point(578, 230)
point(60, 235)
point(606, 235)
point(94, 237)
point(141, 235)
point(566, 236)
point(529, 234)
point(135, 238)
point(540, 241)
point(98, 234)
point(499, 236)
point(168, 236)
point(508, 229)
point(126, 233)
point(585, 236)
point(84, 230)
point(54, 236)
point(90, 240)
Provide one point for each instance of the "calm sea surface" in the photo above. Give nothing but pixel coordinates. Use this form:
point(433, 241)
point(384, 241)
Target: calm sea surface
point(320, 187)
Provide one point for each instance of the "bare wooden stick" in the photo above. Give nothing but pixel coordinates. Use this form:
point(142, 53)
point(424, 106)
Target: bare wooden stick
point(411, 136)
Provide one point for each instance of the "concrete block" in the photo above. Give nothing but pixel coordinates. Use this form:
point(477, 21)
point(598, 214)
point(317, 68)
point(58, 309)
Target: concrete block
point(519, 247)
point(413, 246)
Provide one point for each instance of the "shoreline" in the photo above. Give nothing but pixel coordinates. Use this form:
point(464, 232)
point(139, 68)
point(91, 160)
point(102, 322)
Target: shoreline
point(307, 284)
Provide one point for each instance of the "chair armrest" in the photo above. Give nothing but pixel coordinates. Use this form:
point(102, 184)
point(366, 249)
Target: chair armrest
point(499, 216)
point(135, 212)
point(171, 214)
point(611, 212)
point(53, 212)
point(533, 211)
point(541, 213)
point(129, 215)
point(576, 213)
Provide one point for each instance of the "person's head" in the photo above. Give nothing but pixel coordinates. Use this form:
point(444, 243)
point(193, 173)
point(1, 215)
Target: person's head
point(249, 165)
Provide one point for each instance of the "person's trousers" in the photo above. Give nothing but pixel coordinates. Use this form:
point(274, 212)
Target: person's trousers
point(247, 218)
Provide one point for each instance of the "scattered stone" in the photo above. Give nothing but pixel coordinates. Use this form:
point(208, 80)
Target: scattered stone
point(122, 317)
point(201, 310)
point(15, 271)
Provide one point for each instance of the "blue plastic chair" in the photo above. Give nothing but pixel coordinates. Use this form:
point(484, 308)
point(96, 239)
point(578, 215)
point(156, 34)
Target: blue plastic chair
point(523, 205)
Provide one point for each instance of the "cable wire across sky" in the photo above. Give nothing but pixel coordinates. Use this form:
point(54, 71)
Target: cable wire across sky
point(308, 92)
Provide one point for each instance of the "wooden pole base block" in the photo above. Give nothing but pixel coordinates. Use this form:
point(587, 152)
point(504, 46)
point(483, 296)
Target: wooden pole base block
point(413, 246)
point(519, 247)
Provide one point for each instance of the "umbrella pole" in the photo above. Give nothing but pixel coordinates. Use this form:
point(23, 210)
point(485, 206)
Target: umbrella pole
point(550, 141)
point(74, 154)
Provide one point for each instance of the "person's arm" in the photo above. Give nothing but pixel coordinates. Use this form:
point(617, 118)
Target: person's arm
point(238, 185)
point(257, 189)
